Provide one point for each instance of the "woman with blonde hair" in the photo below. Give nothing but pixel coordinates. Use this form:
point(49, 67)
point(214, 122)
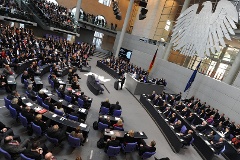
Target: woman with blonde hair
point(119, 123)
point(129, 137)
point(15, 105)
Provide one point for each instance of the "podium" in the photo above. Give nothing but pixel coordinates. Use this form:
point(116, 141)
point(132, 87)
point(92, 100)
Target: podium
point(116, 84)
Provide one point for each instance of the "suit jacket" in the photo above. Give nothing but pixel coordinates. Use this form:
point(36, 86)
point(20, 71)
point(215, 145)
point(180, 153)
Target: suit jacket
point(115, 107)
point(218, 146)
point(51, 106)
point(201, 128)
point(106, 104)
point(17, 107)
point(29, 115)
point(13, 150)
point(41, 124)
point(32, 154)
point(129, 139)
point(114, 143)
point(187, 138)
point(55, 134)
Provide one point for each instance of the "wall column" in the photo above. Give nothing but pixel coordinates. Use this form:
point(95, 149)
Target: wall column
point(78, 7)
point(233, 70)
point(124, 27)
point(170, 45)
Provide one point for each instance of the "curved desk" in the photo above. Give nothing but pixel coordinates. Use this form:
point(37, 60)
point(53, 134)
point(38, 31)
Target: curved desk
point(137, 88)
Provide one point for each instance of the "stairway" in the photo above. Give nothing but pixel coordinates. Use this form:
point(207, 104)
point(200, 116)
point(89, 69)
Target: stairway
point(101, 55)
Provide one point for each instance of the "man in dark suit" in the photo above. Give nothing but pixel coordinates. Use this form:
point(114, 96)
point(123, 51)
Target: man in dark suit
point(35, 152)
point(28, 113)
point(55, 81)
point(146, 148)
point(152, 96)
point(114, 107)
point(47, 101)
point(113, 142)
point(25, 76)
point(32, 94)
point(4, 131)
point(201, 127)
point(187, 138)
point(14, 147)
point(31, 71)
point(122, 81)
point(218, 146)
point(106, 103)
point(55, 132)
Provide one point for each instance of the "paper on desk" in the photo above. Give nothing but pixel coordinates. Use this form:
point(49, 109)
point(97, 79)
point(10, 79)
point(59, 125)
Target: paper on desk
point(200, 134)
point(172, 127)
point(141, 133)
point(166, 119)
point(149, 99)
point(10, 81)
point(181, 140)
point(105, 116)
point(54, 115)
point(49, 94)
point(37, 109)
point(83, 110)
point(111, 132)
point(29, 104)
point(117, 118)
point(23, 97)
point(83, 125)
point(69, 105)
point(60, 100)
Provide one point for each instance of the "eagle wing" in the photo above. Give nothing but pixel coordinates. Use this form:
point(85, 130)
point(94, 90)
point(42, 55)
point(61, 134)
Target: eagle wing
point(181, 37)
point(221, 24)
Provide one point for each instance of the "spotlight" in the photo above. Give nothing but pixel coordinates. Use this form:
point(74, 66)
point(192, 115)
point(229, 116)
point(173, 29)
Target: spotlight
point(143, 3)
point(144, 11)
point(119, 16)
point(141, 17)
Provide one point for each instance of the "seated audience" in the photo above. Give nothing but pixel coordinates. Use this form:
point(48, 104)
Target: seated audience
point(218, 146)
point(28, 113)
point(78, 134)
point(187, 138)
point(129, 137)
point(106, 103)
point(14, 147)
point(113, 142)
point(114, 107)
point(119, 123)
point(146, 148)
point(202, 127)
point(56, 132)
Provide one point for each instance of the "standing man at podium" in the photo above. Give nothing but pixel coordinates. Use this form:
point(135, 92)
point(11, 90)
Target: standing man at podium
point(122, 80)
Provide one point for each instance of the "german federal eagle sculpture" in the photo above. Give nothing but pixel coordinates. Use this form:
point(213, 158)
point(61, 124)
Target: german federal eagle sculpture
point(203, 33)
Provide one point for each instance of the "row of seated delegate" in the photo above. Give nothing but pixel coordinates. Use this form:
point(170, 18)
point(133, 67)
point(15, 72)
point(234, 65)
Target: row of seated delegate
point(110, 123)
point(214, 128)
point(121, 66)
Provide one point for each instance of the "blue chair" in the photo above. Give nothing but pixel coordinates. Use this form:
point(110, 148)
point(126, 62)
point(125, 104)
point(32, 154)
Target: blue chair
point(113, 151)
point(28, 94)
point(118, 128)
point(58, 112)
point(104, 110)
point(130, 147)
point(13, 112)
point(117, 113)
point(190, 142)
point(6, 154)
point(36, 129)
point(80, 102)
point(59, 94)
point(52, 140)
point(102, 126)
point(45, 106)
point(231, 137)
point(52, 84)
point(23, 120)
point(74, 142)
point(147, 155)
point(39, 100)
point(22, 80)
point(23, 157)
point(68, 98)
point(49, 79)
point(183, 129)
point(74, 118)
point(40, 63)
point(7, 102)
point(25, 83)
